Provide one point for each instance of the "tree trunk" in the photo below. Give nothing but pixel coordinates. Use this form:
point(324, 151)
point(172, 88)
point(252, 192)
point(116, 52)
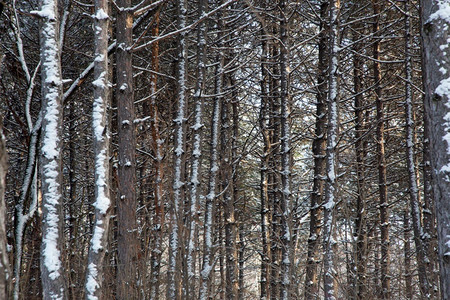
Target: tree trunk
point(52, 273)
point(264, 180)
point(95, 288)
point(208, 247)
point(156, 243)
point(329, 242)
point(407, 250)
point(382, 187)
point(286, 241)
point(319, 150)
point(436, 66)
point(422, 258)
point(5, 271)
point(173, 282)
point(127, 242)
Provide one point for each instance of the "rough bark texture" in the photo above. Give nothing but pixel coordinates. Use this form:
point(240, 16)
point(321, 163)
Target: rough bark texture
point(318, 148)
point(95, 288)
point(436, 67)
point(5, 271)
point(264, 181)
point(127, 243)
point(382, 187)
point(52, 273)
point(329, 242)
point(285, 205)
point(422, 259)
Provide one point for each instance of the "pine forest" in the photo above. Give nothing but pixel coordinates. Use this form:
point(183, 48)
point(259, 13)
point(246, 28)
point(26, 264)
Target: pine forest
point(224, 149)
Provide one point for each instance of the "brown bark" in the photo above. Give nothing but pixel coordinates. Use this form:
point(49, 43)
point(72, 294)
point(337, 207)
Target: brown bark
point(318, 148)
point(382, 187)
point(127, 243)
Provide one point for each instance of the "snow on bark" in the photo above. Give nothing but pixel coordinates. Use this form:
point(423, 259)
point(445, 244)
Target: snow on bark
point(51, 265)
point(5, 272)
point(178, 183)
point(285, 157)
point(422, 259)
point(436, 69)
point(94, 274)
point(329, 244)
point(208, 262)
point(196, 150)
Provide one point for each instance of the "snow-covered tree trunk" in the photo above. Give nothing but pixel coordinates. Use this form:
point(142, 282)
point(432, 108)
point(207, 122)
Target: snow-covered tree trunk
point(285, 138)
point(264, 180)
point(5, 271)
point(52, 273)
point(329, 243)
point(382, 181)
point(127, 239)
point(407, 255)
point(422, 259)
point(100, 125)
point(436, 67)
point(208, 247)
point(318, 149)
point(196, 152)
point(173, 282)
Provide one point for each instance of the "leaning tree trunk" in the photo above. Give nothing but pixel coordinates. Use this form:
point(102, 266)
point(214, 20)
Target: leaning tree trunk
point(52, 273)
point(95, 288)
point(436, 68)
point(329, 243)
point(127, 240)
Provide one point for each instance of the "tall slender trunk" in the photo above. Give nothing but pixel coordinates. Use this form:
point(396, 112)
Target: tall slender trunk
point(5, 271)
point(208, 247)
point(52, 273)
point(174, 284)
point(436, 67)
point(360, 250)
point(428, 204)
point(422, 258)
point(231, 256)
point(286, 240)
point(196, 154)
point(264, 180)
point(318, 148)
point(329, 243)
point(382, 187)
point(95, 288)
point(127, 242)
point(156, 142)
point(407, 253)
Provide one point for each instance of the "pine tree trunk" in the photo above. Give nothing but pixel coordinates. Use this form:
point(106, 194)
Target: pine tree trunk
point(127, 242)
point(5, 271)
point(382, 187)
point(319, 150)
point(360, 249)
point(285, 226)
point(52, 272)
point(264, 180)
point(436, 67)
point(422, 258)
point(329, 242)
point(174, 280)
point(95, 288)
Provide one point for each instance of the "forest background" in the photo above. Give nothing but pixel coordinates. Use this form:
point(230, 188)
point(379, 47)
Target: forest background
point(224, 149)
